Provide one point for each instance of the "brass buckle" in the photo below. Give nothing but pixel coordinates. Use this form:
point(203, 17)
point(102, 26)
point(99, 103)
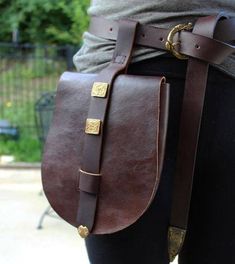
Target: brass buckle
point(170, 44)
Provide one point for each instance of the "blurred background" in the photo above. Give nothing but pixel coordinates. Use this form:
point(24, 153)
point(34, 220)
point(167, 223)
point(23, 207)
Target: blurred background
point(37, 42)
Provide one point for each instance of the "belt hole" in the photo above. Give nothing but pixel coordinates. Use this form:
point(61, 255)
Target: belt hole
point(111, 29)
point(143, 35)
point(197, 46)
point(161, 39)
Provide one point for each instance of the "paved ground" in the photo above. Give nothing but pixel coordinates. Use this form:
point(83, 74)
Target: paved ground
point(20, 240)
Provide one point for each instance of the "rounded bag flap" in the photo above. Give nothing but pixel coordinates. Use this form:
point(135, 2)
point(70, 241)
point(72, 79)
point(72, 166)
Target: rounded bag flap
point(129, 170)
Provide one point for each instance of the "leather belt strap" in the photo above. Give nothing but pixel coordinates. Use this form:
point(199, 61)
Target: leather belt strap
point(202, 49)
point(90, 173)
point(192, 44)
point(192, 108)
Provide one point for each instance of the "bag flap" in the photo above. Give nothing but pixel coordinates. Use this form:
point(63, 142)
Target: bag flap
point(130, 159)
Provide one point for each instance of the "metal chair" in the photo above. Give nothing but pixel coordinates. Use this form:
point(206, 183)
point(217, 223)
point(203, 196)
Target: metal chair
point(44, 108)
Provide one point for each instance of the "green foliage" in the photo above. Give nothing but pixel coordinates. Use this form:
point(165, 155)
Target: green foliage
point(44, 21)
point(26, 149)
point(22, 84)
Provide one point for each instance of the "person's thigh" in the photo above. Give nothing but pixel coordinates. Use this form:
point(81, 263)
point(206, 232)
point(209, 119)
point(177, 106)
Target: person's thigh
point(210, 238)
point(146, 240)
point(211, 233)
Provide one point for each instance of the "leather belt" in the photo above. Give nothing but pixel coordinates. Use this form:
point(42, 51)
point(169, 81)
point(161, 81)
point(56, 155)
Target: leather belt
point(191, 44)
point(90, 174)
point(209, 42)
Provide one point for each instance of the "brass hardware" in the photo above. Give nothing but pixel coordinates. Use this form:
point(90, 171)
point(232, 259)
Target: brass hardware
point(99, 89)
point(89, 173)
point(93, 126)
point(83, 231)
point(170, 44)
point(176, 238)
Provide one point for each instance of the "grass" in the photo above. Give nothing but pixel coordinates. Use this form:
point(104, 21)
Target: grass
point(22, 81)
point(27, 148)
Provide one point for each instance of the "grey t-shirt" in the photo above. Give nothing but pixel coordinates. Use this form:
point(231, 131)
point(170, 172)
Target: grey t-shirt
point(96, 53)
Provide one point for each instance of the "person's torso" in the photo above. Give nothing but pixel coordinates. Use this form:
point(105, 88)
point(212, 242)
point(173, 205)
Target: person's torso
point(160, 12)
point(96, 53)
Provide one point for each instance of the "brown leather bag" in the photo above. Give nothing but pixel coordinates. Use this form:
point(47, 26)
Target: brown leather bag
point(132, 156)
point(105, 149)
point(104, 152)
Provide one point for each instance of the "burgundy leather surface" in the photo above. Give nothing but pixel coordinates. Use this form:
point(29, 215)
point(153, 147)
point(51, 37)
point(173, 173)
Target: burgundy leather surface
point(130, 163)
point(98, 109)
point(89, 183)
point(192, 108)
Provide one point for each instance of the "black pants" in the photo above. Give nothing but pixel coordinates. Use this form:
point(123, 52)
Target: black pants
point(211, 232)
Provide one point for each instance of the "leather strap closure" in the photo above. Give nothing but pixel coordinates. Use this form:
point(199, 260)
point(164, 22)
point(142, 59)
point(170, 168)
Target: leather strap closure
point(89, 182)
point(191, 115)
point(192, 44)
point(94, 131)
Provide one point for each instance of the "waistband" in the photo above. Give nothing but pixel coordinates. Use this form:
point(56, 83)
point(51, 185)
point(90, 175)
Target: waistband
point(184, 42)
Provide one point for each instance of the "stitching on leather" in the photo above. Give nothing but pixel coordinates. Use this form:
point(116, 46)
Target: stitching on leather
point(120, 59)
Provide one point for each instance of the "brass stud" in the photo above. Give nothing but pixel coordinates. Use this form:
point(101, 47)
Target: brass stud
point(99, 89)
point(93, 126)
point(83, 231)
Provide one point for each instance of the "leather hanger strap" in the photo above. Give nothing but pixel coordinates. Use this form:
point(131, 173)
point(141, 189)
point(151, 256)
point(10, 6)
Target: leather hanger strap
point(191, 115)
point(192, 44)
point(209, 51)
point(90, 174)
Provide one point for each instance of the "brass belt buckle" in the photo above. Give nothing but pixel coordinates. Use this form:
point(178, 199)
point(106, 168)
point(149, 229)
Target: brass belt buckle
point(170, 44)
